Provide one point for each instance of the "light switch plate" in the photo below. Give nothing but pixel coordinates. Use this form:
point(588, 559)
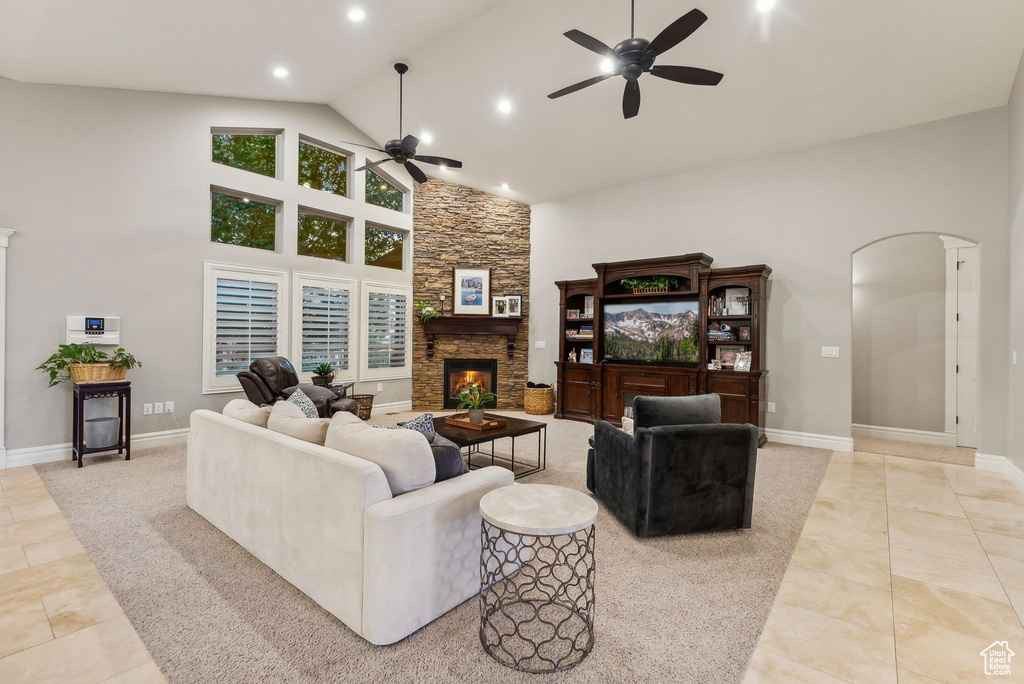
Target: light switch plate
point(830, 352)
point(380, 386)
point(771, 407)
point(540, 344)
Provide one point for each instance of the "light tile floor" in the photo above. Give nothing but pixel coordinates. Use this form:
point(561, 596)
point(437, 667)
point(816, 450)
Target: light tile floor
point(58, 620)
point(905, 571)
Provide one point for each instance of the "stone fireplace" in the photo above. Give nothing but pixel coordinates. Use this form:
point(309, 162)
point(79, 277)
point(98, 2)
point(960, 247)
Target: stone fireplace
point(459, 374)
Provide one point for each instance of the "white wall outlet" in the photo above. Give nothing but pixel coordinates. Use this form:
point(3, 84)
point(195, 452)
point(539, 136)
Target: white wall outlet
point(380, 386)
point(771, 407)
point(158, 407)
point(147, 409)
point(168, 407)
point(540, 344)
point(830, 352)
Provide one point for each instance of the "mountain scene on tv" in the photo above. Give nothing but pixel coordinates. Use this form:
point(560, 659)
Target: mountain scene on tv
point(664, 331)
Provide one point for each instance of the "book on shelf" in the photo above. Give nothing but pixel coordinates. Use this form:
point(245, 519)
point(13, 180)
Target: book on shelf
point(587, 329)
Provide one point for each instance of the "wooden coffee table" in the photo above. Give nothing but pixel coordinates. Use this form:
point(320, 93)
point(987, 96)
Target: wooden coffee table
point(471, 440)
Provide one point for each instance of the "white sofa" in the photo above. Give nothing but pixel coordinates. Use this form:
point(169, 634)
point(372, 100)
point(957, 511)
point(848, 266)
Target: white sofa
point(326, 522)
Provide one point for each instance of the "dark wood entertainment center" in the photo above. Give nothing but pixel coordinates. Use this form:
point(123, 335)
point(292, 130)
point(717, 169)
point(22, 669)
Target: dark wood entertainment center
point(601, 390)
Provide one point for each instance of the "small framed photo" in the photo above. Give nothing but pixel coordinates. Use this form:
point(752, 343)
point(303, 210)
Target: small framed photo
point(515, 305)
point(587, 356)
point(726, 354)
point(571, 333)
point(499, 306)
point(744, 333)
point(572, 314)
point(715, 365)
point(742, 361)
point(472, 289)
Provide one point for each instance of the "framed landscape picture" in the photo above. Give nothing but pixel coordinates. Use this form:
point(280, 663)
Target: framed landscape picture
point(472, 291)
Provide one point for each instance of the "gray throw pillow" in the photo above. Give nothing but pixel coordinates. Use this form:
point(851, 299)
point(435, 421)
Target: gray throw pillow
point(304, 403)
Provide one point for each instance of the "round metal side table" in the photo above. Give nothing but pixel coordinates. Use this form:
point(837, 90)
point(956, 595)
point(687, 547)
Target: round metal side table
point(537, 576)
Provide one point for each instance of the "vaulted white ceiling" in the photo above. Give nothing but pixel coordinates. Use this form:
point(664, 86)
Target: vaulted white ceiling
point(806, 72)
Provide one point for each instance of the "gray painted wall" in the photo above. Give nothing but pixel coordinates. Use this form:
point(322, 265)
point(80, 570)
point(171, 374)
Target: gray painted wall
point(1015, 403)
point(108, 191)
point(803, 213)
point(899, 333)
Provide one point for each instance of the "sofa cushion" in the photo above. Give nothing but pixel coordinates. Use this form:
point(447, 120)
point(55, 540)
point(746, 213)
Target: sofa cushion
point(288, 419)
point(304, 403)
point(247, 412)
point(403, 455)
point(697, 410)
point(448, 461)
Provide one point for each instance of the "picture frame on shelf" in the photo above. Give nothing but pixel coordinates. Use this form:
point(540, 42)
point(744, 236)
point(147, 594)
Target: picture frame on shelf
point(588, 306)
point(737, 301)
point(572, 314)
point(726, 354)
point(586, 355)
point(471, 289)
point(715, 365)
point(499, 306)
point(515, 305)
point(571, 333)
point(743, 334)
point(742, 361)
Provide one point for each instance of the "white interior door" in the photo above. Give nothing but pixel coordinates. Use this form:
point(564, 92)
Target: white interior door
point(967, 347)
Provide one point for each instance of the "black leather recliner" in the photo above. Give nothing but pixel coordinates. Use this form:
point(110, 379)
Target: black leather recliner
point(681, 470)
point(273, 378)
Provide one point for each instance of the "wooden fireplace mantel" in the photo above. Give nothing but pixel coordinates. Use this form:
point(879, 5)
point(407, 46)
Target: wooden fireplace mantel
point(473, 325)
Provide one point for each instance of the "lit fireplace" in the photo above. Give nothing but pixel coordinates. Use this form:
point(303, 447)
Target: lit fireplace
point(460, 374)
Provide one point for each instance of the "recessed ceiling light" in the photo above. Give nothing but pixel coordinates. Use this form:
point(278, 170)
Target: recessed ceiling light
point(765, 5)
point(607, 66)
point(356, 14)
point(245, 199)
point(504, 186)
point(280, 72)
point(504, 106)
point(443, 167)
point(426, 137)
point(383, 186)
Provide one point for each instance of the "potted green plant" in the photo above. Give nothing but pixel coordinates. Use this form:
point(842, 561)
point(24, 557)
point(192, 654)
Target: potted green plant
point(650, 284)
point(425, 311)
point(323, 374)
point(473, 399)
point(85, 363)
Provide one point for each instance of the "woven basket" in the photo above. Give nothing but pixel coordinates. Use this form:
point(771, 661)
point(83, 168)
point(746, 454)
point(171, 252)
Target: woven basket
point(538, 401)
point(365, 402)
point(83, 373)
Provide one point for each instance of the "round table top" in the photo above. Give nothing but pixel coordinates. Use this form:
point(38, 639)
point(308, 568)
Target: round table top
point(538, 509)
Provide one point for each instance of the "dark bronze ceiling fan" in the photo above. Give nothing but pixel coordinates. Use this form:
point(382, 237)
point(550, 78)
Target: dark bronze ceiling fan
point(403, 151)
point(636, 56)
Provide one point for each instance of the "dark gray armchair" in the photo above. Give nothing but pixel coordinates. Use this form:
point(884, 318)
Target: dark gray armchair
point(681, 470)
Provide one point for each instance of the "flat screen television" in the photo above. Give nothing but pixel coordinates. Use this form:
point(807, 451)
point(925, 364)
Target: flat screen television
point(664, 331)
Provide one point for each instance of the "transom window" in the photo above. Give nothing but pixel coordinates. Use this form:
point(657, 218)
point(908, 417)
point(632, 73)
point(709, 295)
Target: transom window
point(383, 192)
point(322, 168)
point(254, 151)
point(384, 247)
point(237, 219)
point(322, 236)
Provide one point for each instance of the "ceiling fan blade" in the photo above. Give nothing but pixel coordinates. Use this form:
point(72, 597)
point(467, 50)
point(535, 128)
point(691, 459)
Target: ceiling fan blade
point(409, 144)
point(369, 147)
point(580, 86)
point(415, 172)
point(631, 99)
point(591, 43)
point(439, 161)
point(373, 164)
point(691, 75)
point(676, 32)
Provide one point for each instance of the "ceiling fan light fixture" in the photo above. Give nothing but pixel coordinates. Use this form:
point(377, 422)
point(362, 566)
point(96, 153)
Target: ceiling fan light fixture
point(607, 66)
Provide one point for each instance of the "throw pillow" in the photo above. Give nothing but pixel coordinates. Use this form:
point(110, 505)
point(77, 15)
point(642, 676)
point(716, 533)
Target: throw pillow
point(304, 403)
point(424, 423)
point(247, 412)
point(448, 461)
point(403, 455)
point(288, 419)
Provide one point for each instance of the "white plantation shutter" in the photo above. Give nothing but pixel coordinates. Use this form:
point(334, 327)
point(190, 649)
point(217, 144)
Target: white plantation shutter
point(387, 326)
point(243, 321)
point(325, 324)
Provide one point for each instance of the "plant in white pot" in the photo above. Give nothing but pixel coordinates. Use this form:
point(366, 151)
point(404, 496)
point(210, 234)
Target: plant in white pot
point(473, 399)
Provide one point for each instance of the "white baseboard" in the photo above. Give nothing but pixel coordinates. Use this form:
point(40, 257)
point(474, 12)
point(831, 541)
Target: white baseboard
point(1001, 465)
point(62, 452)
point(393, 407)
point(810, 439)
point(905, 435)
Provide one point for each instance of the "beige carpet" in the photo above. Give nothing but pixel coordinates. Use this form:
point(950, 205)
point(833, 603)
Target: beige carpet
point(684, 608)
point(923, 452)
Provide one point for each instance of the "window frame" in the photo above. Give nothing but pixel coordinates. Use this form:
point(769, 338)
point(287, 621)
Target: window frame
point(333, 149)
point(331, 216)
point(406, 245)
point(365, 372)
point(278, 134)
point(212, 270)
point(406, 192)
point(301, 278)
point(278, 217)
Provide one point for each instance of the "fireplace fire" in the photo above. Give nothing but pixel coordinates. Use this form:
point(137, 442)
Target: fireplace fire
point(460, 374)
